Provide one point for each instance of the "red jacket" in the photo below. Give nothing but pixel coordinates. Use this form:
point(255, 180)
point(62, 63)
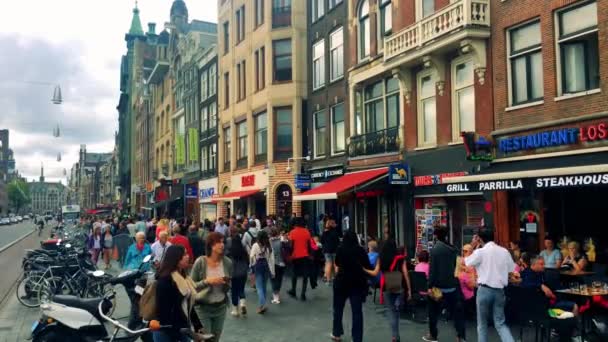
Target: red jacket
point(300, 238)
point(183, 241)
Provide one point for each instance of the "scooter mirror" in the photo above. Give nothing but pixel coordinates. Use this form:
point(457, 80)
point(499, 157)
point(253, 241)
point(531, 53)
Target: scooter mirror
point(58, 242)
point(147, 258)
point(68, 245)
point(98, 273)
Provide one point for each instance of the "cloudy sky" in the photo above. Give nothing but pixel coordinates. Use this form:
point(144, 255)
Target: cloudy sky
point(77, 44)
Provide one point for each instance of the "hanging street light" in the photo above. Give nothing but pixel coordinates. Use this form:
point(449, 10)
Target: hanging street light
point(57, 98)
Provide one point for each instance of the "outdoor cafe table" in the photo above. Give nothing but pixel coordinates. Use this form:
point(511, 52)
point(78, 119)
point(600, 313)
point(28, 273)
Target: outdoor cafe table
point(572, 273)
point(585, 295)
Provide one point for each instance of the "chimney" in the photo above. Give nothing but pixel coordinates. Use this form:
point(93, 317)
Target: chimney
point(151, 28)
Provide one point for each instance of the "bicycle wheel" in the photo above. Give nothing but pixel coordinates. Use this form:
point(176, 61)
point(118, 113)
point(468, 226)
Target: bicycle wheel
point(28, 289)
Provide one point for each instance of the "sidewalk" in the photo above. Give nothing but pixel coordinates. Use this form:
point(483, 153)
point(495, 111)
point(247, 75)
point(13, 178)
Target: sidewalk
point(292, 320)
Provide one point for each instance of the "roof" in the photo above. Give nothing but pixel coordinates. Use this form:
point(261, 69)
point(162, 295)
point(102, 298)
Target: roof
point(203, 26)
point(136, 29)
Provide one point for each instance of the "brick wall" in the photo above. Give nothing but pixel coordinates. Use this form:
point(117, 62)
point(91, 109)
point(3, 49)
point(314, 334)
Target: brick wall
point(509, 13)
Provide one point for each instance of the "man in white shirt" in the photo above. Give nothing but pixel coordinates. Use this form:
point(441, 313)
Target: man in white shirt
point(159, 247)
point(493, 264)
point(221, 227)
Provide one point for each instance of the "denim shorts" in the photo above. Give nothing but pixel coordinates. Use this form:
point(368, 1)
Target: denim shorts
point(330, 257)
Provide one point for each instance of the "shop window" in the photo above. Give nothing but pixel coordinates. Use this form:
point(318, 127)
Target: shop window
point(320, 133)
point(318, 9)
point(427, 116)
point(385, 24)
point(281, 50)
point(364, 30)
point(241, 152)
point(318, 64)
point(283, 138)
point(338, 134)
point(261, 137)
point(463, 110)
point(336, 54)
point(474, 213)
point(578, 48)
point(525, 63)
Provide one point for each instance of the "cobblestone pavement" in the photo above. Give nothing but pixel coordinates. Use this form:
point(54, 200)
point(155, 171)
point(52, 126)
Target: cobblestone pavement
point(292, 320)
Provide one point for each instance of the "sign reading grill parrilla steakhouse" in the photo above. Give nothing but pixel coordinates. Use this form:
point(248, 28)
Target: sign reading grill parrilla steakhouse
point(599, 179)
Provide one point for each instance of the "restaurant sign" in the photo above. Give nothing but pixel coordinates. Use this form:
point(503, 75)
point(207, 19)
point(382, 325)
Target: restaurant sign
point(599, 179)
point(324, 174)
point(436, 179)
point(399, 174)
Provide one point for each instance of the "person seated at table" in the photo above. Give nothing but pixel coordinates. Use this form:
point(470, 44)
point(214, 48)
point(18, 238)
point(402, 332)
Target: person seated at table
point(552, 257)
point(574, 261)
point(532, 276)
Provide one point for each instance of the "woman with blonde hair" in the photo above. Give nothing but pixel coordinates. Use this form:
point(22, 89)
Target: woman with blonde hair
point(575, 260)
point(162, 226)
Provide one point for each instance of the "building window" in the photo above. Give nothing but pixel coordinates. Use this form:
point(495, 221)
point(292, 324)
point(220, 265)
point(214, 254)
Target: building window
point(226, 37)
point(427, 118)
point(205, 158)
point(338, 133)
point(283, 124)
point(227, 149)
point(226, 89)
point(212, 115)
point(318, 64)
point(333, 3)
point(241, 156)
point(204, 119)
point(385, 24)
point(318, 9)
point(240, 24)
point(427, 7)
point(259, 12)
point(320, 133)
point(204, 85)
point(213, 164)
point(525, 63)
point(464, 98)
point(381, 105)
point(260, 68)
point(212, 79)
point(241, 85)
point(336, 54)
point(281, 50)
point(364, 30)
point(578, 48)
point(281, 13)
point(261, 136)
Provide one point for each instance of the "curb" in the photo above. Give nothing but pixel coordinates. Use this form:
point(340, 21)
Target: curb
point(16, 241)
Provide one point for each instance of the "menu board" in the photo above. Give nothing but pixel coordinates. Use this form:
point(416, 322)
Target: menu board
point(435, 213)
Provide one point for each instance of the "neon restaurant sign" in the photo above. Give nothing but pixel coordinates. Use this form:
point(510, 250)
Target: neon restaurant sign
point(554, 138)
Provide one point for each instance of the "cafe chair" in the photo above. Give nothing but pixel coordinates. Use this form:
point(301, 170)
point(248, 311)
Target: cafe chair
point(529, 307)
point(420, 285)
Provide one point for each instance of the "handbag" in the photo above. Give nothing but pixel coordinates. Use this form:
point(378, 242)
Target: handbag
point(393, 280)
point(435, 294)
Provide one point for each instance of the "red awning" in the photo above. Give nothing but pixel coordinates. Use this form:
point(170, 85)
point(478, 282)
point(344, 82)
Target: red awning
point(235, 195)
point(332, 189)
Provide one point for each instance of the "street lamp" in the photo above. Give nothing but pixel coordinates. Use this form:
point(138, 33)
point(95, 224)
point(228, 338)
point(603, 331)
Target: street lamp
point(288, 169)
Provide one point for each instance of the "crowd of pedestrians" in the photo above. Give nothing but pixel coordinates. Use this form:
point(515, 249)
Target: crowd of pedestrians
point(204, 268)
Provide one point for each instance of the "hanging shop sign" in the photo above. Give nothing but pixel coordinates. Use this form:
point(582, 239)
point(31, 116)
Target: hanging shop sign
point(428, 180)
point(478, 147)
point(249, 181)
point(206, 190)
point(399, 174)
point(303, 181)
point(323, 174)
point(191, 191)
point(599, 179)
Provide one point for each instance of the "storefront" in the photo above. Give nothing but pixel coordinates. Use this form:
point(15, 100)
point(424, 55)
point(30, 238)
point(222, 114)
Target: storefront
point(432, 205)
point(206, 190)
point(191, 201)
point(545, 183)
point(313, 179)
point(246, 194)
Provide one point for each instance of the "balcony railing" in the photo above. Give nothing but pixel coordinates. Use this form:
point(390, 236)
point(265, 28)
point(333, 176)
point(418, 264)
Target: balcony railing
point(384, 141)
point(281, 16)
point(455, 16)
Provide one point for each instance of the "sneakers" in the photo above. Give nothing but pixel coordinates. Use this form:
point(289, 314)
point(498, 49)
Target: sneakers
point(235, 312)
point(335, 338)
point(243, 306)
point(262, 310)
point(275, 299)
point(428, 338)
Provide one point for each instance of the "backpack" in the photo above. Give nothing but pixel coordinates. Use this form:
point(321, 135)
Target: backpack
point(253, 238)
point(147, 303)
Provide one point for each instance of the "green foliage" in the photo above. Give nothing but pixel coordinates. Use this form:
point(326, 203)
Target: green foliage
point(18, 194)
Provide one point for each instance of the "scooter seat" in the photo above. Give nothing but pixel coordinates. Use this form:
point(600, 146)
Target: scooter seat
point(91, 305)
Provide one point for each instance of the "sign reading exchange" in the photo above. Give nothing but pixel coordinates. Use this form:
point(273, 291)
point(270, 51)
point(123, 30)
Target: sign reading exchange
point(598, 179)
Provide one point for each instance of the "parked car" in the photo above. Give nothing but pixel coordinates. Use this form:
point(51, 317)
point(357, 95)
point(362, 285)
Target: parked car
point(26, 217)
point(14, 219)
point(5, 221)
point(19, 218)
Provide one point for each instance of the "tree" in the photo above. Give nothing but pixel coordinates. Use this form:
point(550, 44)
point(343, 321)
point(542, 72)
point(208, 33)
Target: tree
point(18, 194)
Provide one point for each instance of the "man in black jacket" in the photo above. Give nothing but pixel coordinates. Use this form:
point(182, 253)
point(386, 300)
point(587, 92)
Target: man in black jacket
point(196, 242)
point(441, 275)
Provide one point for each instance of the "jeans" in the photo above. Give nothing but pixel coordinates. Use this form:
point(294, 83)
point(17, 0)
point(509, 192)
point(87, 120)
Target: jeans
point(356, 298)
point(277, 281)
point(488, 300)
point(300, 269)
point(453, 301)
point(237, 289)
point(169, 336)
point(212, 317)
point(393, 302)
point(261, 280)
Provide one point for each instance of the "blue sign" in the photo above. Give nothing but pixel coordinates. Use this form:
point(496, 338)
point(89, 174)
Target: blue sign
point(206, 193)
point(559, 137)
point(399, 174)
point(191, 191)
point(303, 181)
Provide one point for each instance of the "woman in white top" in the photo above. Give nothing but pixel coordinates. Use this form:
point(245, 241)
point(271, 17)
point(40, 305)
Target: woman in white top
point(261, 258)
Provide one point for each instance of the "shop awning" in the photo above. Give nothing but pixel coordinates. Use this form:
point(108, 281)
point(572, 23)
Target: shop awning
point(235, 195)
point(332, 189)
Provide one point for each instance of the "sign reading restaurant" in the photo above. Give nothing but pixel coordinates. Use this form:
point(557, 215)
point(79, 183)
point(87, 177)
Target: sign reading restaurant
point(598, 179)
